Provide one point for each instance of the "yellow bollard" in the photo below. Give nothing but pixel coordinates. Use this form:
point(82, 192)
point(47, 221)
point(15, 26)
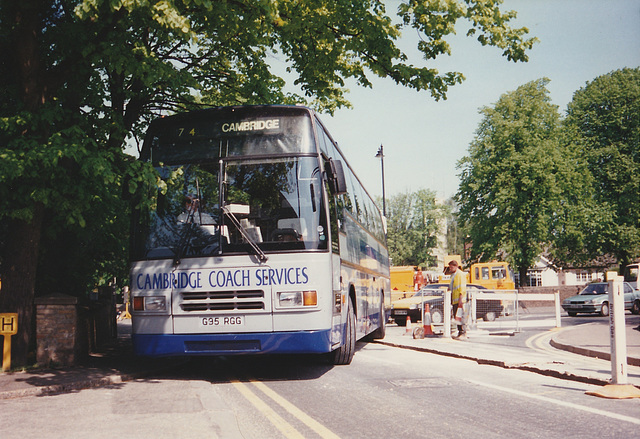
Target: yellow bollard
point(8, 327)
point(125, 314)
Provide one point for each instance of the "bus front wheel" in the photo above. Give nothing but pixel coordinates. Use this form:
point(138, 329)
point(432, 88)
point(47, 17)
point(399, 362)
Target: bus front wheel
point(344, 354)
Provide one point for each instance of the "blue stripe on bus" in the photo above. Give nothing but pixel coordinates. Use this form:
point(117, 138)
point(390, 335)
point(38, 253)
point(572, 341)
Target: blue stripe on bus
point(300, 342)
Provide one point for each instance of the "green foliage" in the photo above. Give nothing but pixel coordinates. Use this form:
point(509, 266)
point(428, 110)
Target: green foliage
point(413, 227)
point(533, 183)
point(436, 19)
point(80, 77)
point(523, 184)
point(606, 115)
point(457, 233)
point(100, 70)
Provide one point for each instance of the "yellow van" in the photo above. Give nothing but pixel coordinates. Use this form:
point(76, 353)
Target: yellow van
point(492, 275)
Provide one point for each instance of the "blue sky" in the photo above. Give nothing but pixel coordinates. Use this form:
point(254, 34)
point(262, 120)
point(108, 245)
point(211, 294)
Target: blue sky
point(423, 139)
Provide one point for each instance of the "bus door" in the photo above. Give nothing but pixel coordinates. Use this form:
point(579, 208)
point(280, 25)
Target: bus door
point(337, 234)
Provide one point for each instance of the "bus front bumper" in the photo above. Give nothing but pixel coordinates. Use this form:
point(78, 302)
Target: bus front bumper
point(298, 342)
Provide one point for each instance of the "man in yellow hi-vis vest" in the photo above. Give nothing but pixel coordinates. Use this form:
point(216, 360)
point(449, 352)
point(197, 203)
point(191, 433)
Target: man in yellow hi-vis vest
point(458, 287)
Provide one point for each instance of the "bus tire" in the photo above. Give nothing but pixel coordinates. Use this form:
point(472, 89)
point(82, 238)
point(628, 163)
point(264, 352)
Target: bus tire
point(344, 354)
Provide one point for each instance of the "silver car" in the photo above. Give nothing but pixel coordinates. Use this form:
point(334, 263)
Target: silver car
point(594, 298)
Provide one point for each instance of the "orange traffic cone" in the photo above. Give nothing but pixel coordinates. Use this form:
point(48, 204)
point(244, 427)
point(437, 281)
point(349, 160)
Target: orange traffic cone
point(408, 330)
point(428, 327)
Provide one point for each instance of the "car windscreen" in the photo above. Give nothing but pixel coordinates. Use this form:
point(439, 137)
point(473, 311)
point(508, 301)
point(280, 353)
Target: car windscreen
point(594, 289)
point(430, 292)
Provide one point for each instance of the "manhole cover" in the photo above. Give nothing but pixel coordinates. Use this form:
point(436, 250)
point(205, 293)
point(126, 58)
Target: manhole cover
point(420, 382)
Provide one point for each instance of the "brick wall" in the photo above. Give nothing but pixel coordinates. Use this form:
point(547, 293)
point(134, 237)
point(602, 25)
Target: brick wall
point(57, 330)
point(66, 330)
point(565, 291)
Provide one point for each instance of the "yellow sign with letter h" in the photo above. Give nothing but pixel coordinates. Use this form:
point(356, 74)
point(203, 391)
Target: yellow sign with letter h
point(8, 327)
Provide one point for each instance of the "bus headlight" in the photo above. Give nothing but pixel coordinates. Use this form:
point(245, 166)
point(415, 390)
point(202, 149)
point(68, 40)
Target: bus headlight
point(290, 299)
point(150, 303)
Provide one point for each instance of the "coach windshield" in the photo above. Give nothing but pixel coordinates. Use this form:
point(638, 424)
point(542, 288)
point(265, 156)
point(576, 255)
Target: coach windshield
point(275, 204)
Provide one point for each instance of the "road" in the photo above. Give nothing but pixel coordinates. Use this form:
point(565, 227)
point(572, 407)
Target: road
point(535, 321)
point(386, 392)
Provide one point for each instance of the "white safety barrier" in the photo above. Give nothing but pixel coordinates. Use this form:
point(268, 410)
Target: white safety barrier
point(503, 306)
point(447, 314)
point(507, 298)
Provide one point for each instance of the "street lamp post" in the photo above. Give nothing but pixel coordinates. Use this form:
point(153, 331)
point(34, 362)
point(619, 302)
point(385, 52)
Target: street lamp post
point(380, 155)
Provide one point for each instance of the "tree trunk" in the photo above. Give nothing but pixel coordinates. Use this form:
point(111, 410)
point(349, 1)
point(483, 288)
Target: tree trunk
point(22, 241)
point(522, 271)
point(19, 263)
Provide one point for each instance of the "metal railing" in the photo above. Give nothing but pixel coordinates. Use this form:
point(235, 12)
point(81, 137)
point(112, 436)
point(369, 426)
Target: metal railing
point(517, 299)
point(507, 298)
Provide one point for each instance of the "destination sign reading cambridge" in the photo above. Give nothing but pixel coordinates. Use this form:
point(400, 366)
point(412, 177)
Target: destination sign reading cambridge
point(228, 278)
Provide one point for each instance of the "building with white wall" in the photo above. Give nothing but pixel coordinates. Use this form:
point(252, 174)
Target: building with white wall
point(545, 274)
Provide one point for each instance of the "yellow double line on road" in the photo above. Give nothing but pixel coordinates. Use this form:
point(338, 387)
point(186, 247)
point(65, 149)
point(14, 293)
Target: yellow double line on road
point(287, 429)
point(540, 342)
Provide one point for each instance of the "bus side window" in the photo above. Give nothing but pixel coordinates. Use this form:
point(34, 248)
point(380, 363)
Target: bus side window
point(485, 273)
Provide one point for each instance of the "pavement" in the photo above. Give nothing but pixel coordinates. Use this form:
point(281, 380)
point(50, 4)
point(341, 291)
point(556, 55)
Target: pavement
point(579, 353)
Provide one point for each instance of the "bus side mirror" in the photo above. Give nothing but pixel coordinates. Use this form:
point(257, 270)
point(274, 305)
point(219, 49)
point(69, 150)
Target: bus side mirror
point(337, 180)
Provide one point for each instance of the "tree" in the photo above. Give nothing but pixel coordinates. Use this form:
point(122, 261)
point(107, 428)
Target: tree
point(413, 227)
point(606, 115)
point(456, 237)
point(520, 183)
point(79, 76)
point(579, 221)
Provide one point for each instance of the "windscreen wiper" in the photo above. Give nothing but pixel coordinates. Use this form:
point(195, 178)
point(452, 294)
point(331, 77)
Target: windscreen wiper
point(189, 226)
point(234, 220)
point(226, 212)
point(184, 239)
